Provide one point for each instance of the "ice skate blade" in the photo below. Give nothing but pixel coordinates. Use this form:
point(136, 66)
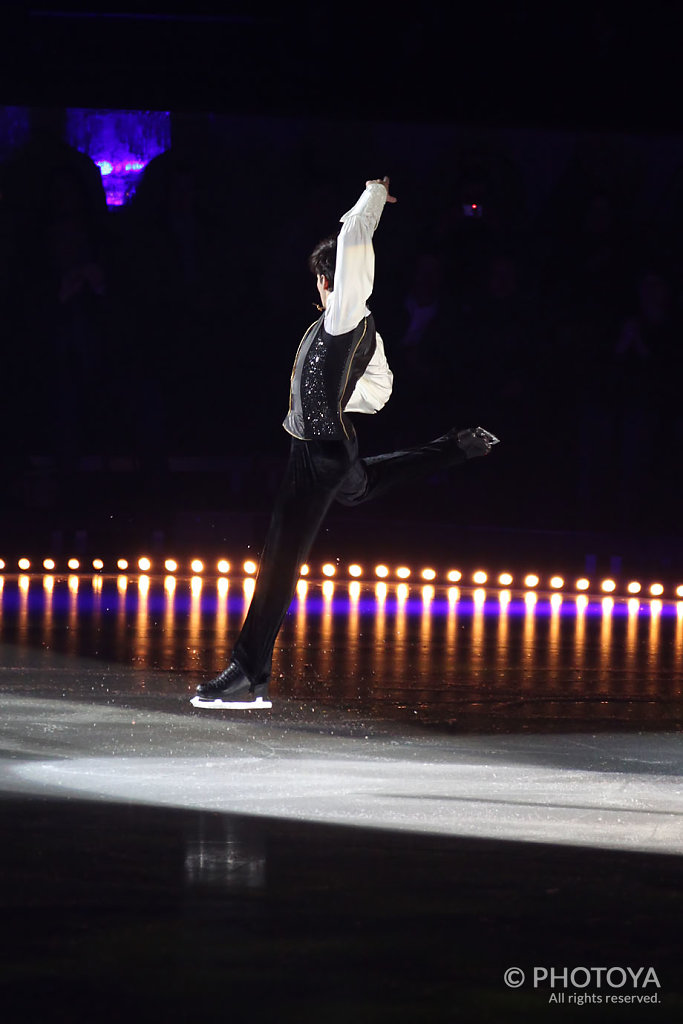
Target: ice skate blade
point(232, 705)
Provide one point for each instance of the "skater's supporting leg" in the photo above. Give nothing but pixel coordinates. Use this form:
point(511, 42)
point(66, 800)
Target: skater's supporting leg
point(314, 473)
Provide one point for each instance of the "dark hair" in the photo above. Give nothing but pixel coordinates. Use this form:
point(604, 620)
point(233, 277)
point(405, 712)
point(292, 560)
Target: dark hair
point(323, 258)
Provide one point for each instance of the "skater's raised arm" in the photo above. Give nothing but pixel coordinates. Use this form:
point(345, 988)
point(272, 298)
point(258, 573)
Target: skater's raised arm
point(345, 303)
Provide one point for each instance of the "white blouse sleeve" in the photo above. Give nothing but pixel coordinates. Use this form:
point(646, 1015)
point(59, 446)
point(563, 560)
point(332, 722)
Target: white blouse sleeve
point(354, 273)
point(373, 390)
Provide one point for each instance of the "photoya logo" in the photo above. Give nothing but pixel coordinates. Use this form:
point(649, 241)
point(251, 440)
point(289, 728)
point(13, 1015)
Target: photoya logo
point(585, 977)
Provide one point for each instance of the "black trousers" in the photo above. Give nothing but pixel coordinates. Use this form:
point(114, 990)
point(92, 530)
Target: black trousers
point(318, 473)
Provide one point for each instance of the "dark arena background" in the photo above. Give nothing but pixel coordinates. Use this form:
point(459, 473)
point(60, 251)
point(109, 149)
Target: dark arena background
point(465, 802)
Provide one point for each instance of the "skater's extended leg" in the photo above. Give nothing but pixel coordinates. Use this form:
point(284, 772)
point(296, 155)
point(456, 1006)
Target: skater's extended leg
point(370, 477)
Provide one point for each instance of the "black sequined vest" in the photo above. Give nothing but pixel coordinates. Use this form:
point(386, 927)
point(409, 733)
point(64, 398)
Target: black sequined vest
point(326, 369)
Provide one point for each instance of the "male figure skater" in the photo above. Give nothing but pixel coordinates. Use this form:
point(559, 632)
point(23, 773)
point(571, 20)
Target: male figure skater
point(340, 367)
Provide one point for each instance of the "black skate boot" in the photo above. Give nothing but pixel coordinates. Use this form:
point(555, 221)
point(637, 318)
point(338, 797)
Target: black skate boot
point(232, 689)
point(475, 441)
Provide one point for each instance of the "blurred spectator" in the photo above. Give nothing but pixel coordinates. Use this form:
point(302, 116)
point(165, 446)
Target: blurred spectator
point(58, 280)
point(418, 337)
point(71, 245)
point(648, 419)
point(481, 208)
point(184, 287)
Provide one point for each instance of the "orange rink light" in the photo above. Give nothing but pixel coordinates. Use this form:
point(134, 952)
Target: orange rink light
point(479, 577)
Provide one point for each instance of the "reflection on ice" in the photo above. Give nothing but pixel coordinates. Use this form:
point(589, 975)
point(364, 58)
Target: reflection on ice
point(223, 855)
point(390, 648)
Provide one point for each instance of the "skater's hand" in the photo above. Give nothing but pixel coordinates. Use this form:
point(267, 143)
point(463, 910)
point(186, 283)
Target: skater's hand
point(383, 181)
